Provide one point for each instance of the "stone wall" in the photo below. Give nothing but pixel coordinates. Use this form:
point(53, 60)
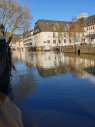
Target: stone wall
point(87, 49)
point(68, 49)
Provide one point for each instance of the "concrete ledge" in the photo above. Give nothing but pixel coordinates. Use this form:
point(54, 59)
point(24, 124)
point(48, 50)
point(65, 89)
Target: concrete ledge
point(86, 49)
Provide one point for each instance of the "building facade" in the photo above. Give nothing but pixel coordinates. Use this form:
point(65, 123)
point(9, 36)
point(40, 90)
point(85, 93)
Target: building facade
point(89, 28)
point(25, 41)
point(50, 34)
point(28, 40)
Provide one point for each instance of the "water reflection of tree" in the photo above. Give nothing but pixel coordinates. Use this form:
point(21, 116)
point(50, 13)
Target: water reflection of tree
point(90, 70)
point(53, 63)
point(27, 85)
point(52, 71)
point(81, 64)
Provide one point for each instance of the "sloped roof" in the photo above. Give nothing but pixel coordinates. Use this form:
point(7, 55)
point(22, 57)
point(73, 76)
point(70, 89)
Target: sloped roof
point(49, 26)
point(88, 21)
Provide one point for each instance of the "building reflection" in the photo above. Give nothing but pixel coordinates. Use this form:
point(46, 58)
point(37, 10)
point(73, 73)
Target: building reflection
point(54, 63)
point(51, 64)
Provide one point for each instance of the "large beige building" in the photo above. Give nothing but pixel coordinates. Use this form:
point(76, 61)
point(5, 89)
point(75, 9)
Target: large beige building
point(50, 34)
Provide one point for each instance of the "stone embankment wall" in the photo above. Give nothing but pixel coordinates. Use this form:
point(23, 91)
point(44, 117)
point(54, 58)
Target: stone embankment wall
point(68, 49)
point(87, 49)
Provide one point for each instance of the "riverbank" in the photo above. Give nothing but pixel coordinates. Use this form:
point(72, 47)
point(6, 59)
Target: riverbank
point(79, 49)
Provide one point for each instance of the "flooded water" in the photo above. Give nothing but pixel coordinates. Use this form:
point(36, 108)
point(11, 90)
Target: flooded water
point(53, 89)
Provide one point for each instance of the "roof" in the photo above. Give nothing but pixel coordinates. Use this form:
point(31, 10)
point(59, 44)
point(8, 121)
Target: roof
point(49, 26)
point(88, 21)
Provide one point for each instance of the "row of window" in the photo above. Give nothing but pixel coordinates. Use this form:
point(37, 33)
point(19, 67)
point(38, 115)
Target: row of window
point(90, 23)
point(28, 40)
point(90, 28)
point(59, 41)
point(54, 41)
point(29, 44)
point(60, 34)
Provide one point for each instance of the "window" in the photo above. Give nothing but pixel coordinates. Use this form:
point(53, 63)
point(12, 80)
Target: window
point(59, 41)
point(48, 41)
point(70, 41)
point(44, 41)
point(93, 27)
point(54, 41)
point(53, 34)
point(70, 35)
point(64, 34)
point(64, 40)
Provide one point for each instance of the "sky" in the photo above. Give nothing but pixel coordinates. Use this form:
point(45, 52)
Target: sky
point(61, 10)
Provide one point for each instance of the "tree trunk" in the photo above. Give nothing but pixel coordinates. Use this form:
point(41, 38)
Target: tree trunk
point(9, 38)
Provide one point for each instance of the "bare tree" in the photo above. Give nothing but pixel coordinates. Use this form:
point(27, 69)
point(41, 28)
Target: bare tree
point(14, 16)
point(75, 29)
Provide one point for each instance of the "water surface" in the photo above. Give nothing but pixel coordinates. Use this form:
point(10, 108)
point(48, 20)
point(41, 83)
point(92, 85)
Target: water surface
point(53, 89)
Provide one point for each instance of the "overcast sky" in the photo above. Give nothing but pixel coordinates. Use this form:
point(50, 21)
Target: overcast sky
point(59, 9)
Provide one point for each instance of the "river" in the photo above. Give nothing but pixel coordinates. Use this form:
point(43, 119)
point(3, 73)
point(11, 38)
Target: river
point(54, 89)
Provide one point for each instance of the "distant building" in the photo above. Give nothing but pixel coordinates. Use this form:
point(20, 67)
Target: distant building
point(28, 39)
point(50, 34)
point(82, 15)
point(25, 41)
point(89, 27)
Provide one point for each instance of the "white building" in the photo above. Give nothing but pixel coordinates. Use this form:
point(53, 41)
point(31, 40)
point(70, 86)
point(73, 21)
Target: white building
point(89, 27)
point(50, 34)
point(24, 42)
point(28, 42)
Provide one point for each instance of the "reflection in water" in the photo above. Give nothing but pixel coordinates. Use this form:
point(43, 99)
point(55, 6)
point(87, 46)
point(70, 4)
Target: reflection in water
point(91, 70)
point(5, 82)
point(10, 115)
point(54, 89)
point(50, 63)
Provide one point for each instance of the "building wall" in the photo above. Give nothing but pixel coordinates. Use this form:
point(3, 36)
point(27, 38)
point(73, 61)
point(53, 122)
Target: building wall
point(53, 39)
point(28, 39)
point(89, 29)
